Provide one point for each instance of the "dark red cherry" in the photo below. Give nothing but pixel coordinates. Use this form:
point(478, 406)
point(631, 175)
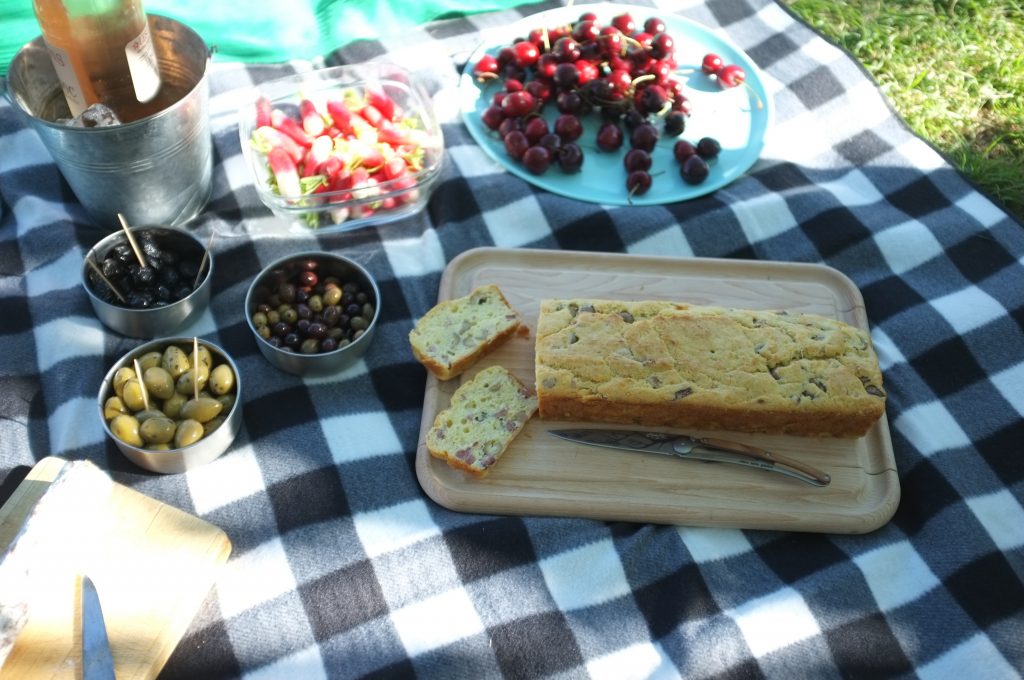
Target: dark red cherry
point(683, 150)
point(708, 148)
point(694, 170)
point(609, 137)
point(637, 159)
point(516, 144)
point(537, 159)
point(570, 158)
point(568, 127)
point(638, 182)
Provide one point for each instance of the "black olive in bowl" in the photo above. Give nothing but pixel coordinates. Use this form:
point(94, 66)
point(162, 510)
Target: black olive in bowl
point(170, 291)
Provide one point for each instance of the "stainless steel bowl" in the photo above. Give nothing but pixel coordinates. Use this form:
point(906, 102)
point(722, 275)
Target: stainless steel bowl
point(189, 457)
point(324, 363)
point(156, 321)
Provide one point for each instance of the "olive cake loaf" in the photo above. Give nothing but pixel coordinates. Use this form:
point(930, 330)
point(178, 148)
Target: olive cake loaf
point(671, 364)
point(455, 333)
point(485, 415)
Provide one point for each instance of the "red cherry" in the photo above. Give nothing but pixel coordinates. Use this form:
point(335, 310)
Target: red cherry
point(624, 22)
point(537, 159)
point(731, 76)
point(518, 103)
point(654, 25)
point(486, 67)
point(546, 65)
point(526, 53)
point(516, 144)
point(711, 64)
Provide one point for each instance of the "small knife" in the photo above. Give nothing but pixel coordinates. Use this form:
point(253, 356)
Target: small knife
point(694, 448)
point(97, 660)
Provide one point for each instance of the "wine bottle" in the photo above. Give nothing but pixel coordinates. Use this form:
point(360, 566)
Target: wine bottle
point(102, 51)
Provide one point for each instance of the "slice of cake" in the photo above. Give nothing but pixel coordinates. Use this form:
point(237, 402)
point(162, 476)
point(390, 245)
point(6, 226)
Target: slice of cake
point(485, 415)
point(453, 335)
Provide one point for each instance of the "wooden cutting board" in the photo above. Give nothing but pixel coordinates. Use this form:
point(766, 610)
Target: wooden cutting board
point(153, 565)
point(543, 475)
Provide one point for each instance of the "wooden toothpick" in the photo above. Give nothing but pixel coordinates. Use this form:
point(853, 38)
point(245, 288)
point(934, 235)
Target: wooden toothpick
point(131, 240)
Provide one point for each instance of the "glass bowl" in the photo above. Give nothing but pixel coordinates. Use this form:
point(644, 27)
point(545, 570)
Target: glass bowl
point(386, 114)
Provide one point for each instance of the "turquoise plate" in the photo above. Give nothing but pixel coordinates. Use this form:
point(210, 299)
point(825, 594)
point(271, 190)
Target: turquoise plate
point(738, 118)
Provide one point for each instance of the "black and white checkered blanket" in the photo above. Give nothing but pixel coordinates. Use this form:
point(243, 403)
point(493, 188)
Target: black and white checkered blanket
point(342, 567)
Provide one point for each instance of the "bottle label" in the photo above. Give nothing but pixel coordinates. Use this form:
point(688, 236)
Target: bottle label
point(143, 66)
point(68, 79)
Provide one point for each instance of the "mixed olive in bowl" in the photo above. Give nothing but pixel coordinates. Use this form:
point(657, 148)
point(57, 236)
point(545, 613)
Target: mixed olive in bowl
point(313, 313)
point(172, 404)
point(153, 297)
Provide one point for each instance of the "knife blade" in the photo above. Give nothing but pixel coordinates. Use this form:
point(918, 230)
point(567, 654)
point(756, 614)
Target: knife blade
point(97, 660)
point(696, 448)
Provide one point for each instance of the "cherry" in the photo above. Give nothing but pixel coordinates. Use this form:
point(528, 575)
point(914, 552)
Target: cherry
point(644, 136)
point(683, 150)
point(587, 16)
point(694, 170)
point(540, 90)
point(586, 71)
point(662, 45)
point(620, 80)
point(586, 30)
point(566, 75)
point(551, 142)
point(568, 127)
point(654, 25)
point(609, 137)
point(731, 76)
point(708, 148)
point(675, 123)
point(624, 22)
point(610, 39)
point(526, 53)
point(638, 182)
point(537, 159)
point(546, 64)
point(508, 125)
point(535, 128)
point(570, 158)
point(493, 117)
point(518, 103)
point(513, 85)
point(516, 144)
point(486, 67)
point(711, 64)
point(637, 159)
point(569, 101)
point(566, 50)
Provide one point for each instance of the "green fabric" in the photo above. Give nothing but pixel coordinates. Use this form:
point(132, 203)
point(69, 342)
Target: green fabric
point(268, 31)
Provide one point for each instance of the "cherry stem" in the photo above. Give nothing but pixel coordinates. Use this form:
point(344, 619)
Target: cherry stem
point(757, 97)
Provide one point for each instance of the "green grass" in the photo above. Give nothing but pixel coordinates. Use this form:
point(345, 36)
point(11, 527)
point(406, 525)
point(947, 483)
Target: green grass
point(953, 70)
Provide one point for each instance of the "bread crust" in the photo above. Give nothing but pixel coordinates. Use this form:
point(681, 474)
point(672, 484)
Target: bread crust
point(655, 363)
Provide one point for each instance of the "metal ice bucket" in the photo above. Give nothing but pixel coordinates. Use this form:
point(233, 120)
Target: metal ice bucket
point(155, 170)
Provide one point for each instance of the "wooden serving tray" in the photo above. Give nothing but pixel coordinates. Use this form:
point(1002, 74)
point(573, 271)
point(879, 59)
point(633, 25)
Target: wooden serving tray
point(543, 475)
point(153, 565)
